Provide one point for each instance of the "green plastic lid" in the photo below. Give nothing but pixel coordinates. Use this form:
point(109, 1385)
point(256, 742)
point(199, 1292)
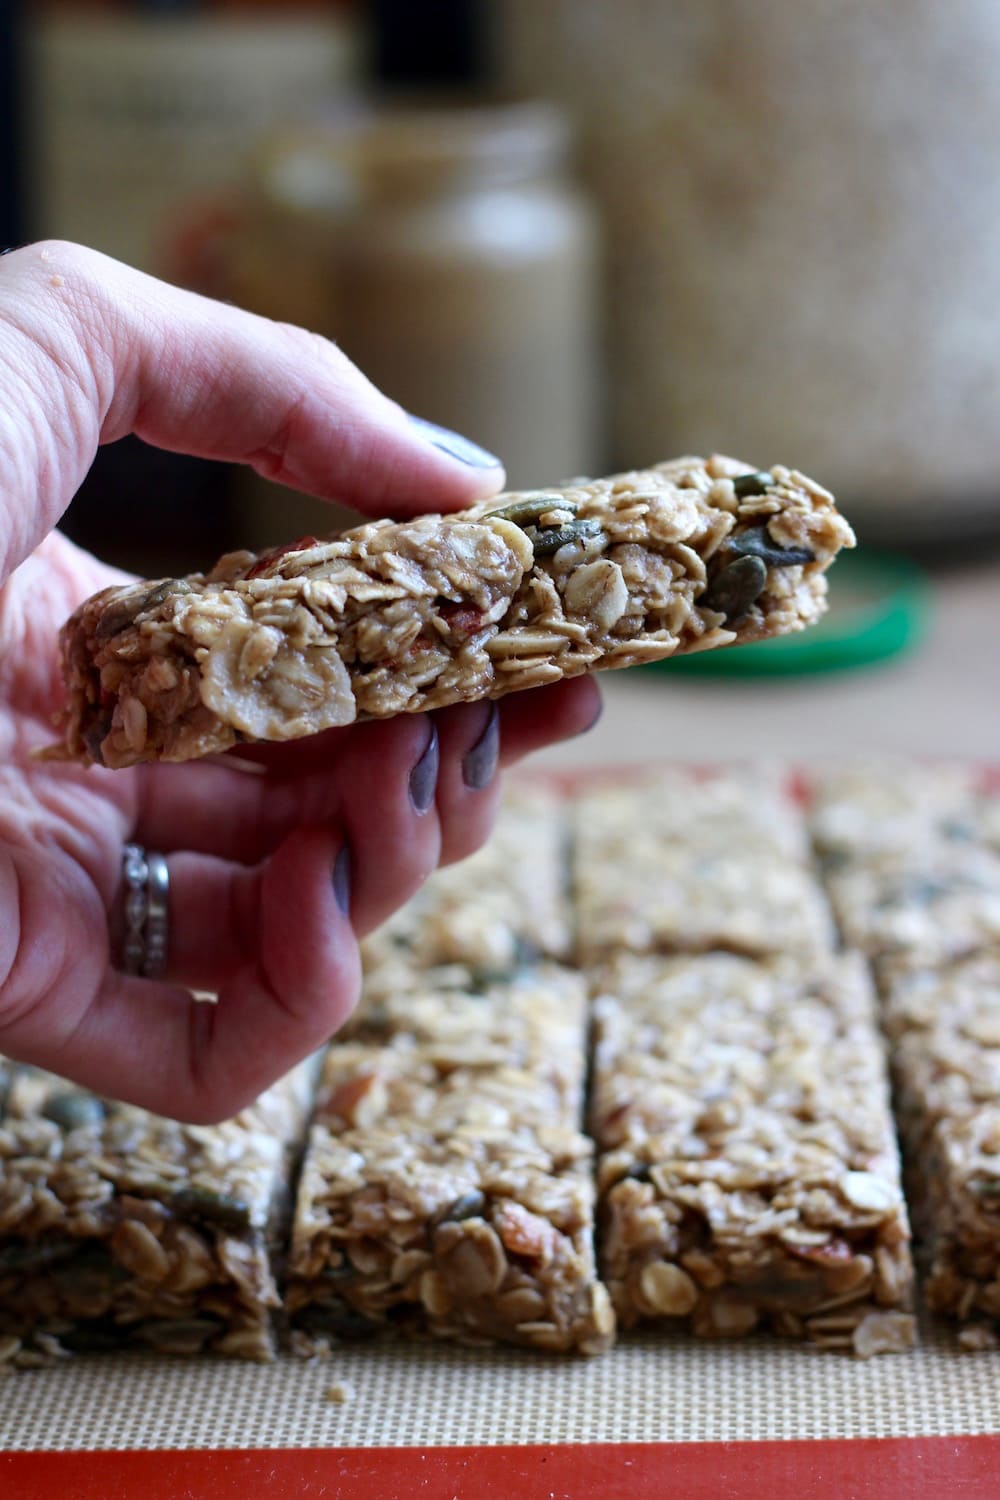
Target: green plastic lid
point(879, 606)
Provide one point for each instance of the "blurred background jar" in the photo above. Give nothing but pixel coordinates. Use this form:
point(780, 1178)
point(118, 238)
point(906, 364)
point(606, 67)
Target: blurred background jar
point(446, 249)
point(802, 209)
point(138, 120)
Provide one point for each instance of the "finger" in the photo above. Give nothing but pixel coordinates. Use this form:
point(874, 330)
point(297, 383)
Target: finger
point(293, 985)
point(100, 350)
point(243, 814)
point(468, 785)
point(387, 784)
point(542, 716)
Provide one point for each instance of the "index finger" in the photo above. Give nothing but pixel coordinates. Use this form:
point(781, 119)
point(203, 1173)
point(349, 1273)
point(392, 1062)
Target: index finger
point(95, 350)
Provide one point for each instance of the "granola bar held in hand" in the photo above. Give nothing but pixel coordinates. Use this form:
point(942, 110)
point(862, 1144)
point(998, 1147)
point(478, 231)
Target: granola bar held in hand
point(394, 618)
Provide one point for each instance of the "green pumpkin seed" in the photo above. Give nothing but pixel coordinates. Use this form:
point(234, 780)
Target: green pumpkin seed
point(72, 1110)
point(916, 891)
point(734, 589)
point(33, 1255)
point(97, 730)
point(96, 1336)
point(344, 1271)
point(338, 1319)
point(756, 542)
point(482, 977)
point(753, 484)
point(549, 540)
point(524, 512)
point(481, 980)
point(120, 616)
point(217, 1208)
point(469, 1206)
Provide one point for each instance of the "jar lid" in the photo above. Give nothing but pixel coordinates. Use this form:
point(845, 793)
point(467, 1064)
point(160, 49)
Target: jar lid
point(399, 149)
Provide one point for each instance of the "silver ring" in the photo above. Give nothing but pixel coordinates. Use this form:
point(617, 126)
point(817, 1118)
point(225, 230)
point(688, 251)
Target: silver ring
point(147, 892)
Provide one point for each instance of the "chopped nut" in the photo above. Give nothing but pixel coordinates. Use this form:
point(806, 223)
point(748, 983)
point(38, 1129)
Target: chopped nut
point(360, 1101)
point(884, 1333)
point(667, 1289)
point(475, 1265)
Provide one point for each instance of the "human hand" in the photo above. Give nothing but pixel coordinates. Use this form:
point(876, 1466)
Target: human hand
point(273, 876)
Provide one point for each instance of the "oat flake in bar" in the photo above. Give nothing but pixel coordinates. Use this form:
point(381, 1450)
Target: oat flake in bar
point(675, 863)
point(504, 905)
point(945, 1031)
point(922, 907)
point(447, 1188)
point(394, 618)
point(866, 809)
point(748, 1172)
point(120, 1228)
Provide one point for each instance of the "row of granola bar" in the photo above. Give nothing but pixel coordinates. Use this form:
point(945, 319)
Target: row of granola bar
point(448, 1186)
point(911, 855)
point(746, 1171)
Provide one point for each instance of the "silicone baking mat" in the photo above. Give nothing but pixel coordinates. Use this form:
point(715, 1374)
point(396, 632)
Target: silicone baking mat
point(757, 1419)
point(722, 1419)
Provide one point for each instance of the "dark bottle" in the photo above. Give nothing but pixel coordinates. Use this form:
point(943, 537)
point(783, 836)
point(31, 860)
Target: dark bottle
point(12, 175)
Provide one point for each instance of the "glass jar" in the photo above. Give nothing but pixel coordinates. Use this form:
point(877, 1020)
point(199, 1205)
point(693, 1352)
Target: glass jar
point(802, 213)
point(449, 254)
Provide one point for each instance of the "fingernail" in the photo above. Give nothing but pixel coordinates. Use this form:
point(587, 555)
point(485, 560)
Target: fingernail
point(342, 878)
point(455, 445)
point(480, 763)
point(595, 720)
point(423, 777)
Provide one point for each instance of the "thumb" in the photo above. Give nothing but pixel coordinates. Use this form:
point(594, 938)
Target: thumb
point(97, 350)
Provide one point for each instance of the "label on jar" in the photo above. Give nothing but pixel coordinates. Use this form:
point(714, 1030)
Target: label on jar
point(135, 116)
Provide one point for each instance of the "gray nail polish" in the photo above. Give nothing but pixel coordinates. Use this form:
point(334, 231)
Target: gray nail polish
point(455, 445)
point(480, 763)
point(423, 777)
point(595, 720)
point(342, 878)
